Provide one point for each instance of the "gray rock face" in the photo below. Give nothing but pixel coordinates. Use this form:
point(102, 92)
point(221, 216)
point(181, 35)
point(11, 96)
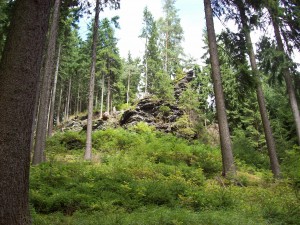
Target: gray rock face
point(182, 84)
point(159, 114)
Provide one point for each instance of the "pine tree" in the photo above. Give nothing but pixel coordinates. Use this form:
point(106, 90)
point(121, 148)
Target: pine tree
point(226, 149)
point(171, 35)
point(19, 73)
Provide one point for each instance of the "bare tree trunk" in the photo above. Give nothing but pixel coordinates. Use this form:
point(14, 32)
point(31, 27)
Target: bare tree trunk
point(19, 74)
point(78, 100)
point(102, 97)
point(96, 100)
point(288, 80)
point(146, 69)
point(226, 148)
point(128, 87)
point(35, 113)
point(51, 116)
point(68, 100)
point(59, 107)
point(41, 131)
point(260, 95)
point(108, 96)
point(88, 149)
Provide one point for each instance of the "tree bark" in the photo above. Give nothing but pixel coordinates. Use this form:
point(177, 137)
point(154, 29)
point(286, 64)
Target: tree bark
point(51, 116)
point(19, 73)
point(226, 148)
point(288, 80)
point(102, 97)
point(59, 107)
point(41, 131)
point(128, 87)
point(108, 96)
point(88, 149)
point(260, 95)
point(68, 100)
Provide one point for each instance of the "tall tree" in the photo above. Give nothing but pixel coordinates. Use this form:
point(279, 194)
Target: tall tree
point(227, 156)
point(273, 11)
point(239, 10)
point(41, 131)
point(19, 71)
point(259, 92)
point(171, 35)
point(148, 21)
point(88, 148)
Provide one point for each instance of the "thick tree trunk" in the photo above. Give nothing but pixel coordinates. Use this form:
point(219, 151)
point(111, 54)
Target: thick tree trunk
point(226, 148)
point(88, 149)
point(51, 114)
point(288, 80)
point(41, 131)
point(19, 74)
point(260, 96)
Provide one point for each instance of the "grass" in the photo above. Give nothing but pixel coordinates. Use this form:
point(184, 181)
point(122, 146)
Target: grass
point(139, 176)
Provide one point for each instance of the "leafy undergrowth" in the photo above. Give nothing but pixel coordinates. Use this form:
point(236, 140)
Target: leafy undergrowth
point(139, 176)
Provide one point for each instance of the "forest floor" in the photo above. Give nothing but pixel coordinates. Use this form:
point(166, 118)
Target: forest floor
point(139, 176)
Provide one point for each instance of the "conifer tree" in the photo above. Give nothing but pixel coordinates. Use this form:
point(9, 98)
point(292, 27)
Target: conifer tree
point(20, 66)
point(226, 149)
point(171, 35)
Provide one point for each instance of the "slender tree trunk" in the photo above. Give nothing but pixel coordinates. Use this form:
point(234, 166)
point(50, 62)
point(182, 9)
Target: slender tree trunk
point(35, 113)
point(102, 97)
point(68, 100)
point(88, 149)
point(41, 131)
point(288, 80)
point(50, 127)
point(19, 74)
point(128, 87)
point(78, 100)
point(226, 148)
point(65, 110)
point(146, 68)
point(96, 101)
point(59, 107)
point(108, 96)
point(260, 96)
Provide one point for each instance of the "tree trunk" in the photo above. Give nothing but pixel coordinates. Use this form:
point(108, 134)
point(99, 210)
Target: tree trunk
point(59, 107)
point(88, 149)
point(51, 116)
point(128, 88)
point(35, 113)
point(288, 80)
point(146, 68)
point(41, 131)
point(78, 100)
point(102, 97)
point(108, 96)
point(19, 74)
point(68, 100)
point(226, 148)
point(260, 96)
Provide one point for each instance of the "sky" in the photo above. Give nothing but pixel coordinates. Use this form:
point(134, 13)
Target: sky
point(190, 12)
